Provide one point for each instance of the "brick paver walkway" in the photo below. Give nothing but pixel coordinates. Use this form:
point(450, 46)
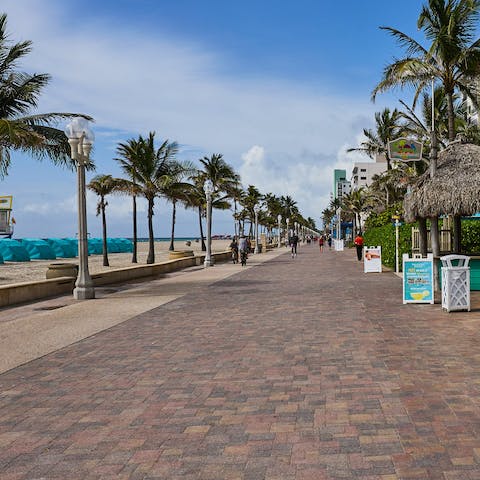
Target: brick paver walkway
point(295, 369)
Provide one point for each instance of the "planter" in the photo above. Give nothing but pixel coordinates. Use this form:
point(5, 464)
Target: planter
point(56, 270)
point(176, 254)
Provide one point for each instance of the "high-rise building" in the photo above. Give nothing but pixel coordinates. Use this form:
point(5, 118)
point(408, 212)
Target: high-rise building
point(363, 172)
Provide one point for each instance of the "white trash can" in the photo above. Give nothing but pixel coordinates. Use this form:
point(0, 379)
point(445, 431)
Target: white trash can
point(455, 283)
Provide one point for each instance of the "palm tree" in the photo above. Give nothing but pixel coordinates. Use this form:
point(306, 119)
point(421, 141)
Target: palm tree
point(150, 165)
point(33, 134)
point(223, 177)
point(355, 203)
point(251, 198)
point(128, 153)
point(103, 185)
point(387, 128)
point(452, 57)
point(175, 190)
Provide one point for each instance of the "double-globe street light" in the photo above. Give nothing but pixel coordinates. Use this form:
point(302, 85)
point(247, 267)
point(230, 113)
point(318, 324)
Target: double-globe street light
point(81, 138)
point(256, 209)
point(208, 189)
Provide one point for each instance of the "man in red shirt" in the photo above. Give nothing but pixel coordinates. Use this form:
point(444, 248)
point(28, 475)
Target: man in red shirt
point(359, 246)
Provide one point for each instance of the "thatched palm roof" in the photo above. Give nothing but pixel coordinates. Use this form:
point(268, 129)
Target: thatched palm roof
point(455, 188)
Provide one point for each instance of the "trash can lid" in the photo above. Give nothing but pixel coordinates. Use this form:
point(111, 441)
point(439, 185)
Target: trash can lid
point(461, 259)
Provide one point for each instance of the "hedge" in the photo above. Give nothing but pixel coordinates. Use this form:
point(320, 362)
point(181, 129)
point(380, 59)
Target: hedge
point(471, 236)
point(385, 237)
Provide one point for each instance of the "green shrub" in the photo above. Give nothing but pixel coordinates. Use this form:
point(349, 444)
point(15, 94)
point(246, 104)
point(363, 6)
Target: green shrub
point(385, 237)
point(385, 218)
point(470, 236)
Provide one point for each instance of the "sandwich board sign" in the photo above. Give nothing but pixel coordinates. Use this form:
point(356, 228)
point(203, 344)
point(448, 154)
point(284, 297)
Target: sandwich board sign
point(405, 150)
point(372, 259)
point(418, 279)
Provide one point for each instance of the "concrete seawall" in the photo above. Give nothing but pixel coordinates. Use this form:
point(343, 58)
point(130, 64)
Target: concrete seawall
point(28, 291)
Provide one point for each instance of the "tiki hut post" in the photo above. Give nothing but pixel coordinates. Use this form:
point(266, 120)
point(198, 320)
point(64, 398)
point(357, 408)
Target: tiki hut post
point(422, 230)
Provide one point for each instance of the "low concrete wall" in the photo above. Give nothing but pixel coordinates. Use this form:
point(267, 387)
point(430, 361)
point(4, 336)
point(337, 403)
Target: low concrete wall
point(29, 291)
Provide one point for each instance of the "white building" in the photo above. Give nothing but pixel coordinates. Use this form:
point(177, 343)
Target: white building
point(363, 172)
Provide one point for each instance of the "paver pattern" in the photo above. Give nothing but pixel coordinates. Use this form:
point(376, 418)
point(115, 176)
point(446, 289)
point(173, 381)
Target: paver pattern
point(296, 369)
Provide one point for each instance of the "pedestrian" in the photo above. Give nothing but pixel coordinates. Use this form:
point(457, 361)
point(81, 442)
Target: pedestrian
point(293, 241)
point(359, 245)
point(321, 242)
point(329, 241)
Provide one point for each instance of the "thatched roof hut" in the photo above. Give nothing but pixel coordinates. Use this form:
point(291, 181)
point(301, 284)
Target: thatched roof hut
point(455, 188)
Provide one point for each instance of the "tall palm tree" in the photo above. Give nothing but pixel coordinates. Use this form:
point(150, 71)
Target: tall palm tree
point(451, 58)
point(150, 166)
point(20, 129)
point(128, 153)
point(103, 185)
point(174, 189)
point(387, 128)
point(223, 177)
point(251, 198)
point(355, 203)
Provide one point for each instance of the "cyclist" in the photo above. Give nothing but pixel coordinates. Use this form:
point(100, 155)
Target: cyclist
point(234, 249)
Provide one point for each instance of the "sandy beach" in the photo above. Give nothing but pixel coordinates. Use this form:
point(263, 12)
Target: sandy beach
point(16, 272)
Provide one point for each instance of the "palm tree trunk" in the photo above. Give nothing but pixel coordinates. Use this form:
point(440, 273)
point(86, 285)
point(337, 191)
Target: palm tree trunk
point(422, 230)
point(151, 243)
point(104, 232)
point(204, 247)
point(172, 236)
point(134, 215)
point(451, 117)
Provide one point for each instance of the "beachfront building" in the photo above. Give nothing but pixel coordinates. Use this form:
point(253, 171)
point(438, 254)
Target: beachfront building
point(363, 172)
point(339, 177)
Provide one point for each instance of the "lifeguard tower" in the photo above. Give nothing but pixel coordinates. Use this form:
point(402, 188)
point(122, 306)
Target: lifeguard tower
point(6, 219)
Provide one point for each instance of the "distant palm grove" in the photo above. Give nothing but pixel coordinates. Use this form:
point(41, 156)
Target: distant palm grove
point(442, 78)
point(151, 167)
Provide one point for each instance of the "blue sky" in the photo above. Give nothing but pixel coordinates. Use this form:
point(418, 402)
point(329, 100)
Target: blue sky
point(282, 89)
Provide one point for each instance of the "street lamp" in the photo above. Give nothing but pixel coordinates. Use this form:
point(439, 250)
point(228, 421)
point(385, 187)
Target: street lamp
point(208, 188)
point(81, 138)
point(256, 209)
point(288, 232)
point(279, 218)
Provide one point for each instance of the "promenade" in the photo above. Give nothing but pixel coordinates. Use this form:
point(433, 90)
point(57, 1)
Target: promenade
point(289, 369)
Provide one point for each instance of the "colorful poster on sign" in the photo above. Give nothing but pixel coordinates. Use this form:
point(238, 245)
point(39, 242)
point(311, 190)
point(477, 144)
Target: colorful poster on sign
point(372, 259)
point(405, 150)
point(418, 280)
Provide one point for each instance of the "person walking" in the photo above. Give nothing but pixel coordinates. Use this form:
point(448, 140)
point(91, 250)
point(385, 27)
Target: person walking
point(329, 241)
point(359, 246)
point(321, 241)
point(293, 244)
point(243, 249)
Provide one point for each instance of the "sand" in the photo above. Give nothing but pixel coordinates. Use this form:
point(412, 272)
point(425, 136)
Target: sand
point(16, 272)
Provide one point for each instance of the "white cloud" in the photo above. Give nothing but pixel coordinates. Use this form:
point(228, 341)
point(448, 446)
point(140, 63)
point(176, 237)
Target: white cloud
point(281, 136)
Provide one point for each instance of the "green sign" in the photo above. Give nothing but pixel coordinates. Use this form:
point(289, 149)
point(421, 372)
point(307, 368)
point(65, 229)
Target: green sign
point(418, 279)
point(405, 150)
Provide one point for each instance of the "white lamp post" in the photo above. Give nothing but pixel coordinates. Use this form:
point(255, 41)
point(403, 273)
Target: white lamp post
point(279, 218)
point(81, 138)
point(208, 188)
point(288, 232)
point(256, 209)
point(295, 229)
